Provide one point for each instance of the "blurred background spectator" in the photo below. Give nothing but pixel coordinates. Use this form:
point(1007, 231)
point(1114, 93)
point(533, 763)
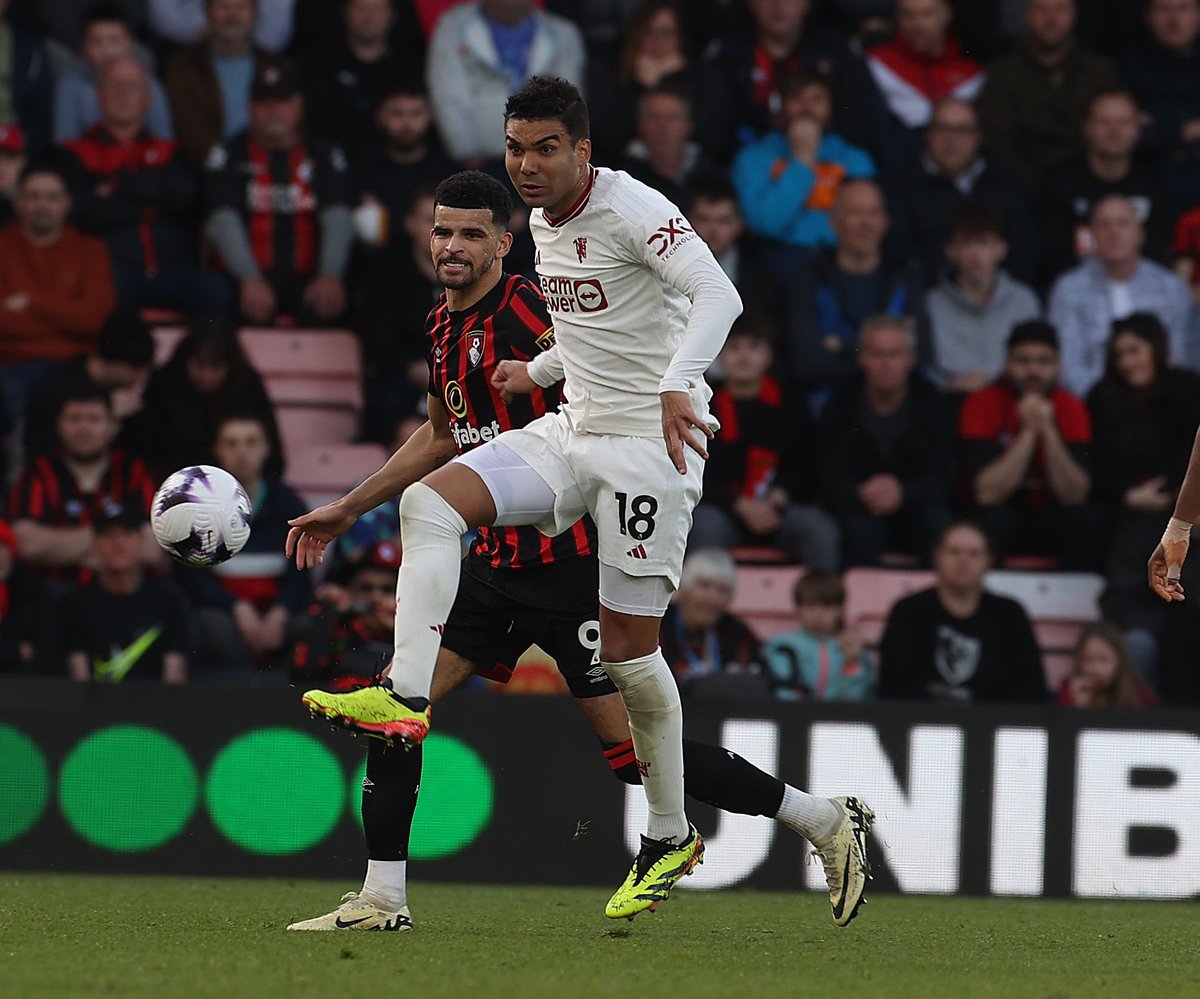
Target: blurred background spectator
point(704, 644)
point(956, 641)
point(56, 285)
point(662, 153)
point(1025, 450)
point(1101, 673)
point(134, 190)
point(479, 54)
point(124, 625)
point(244, 605)
point(821, 660)
point(345, 639)
point(208, 83)
point(27, 86)
point(186, 22)
point(279, 208)
point(976, 303)
point(12, 162)
point(207, 378)
point(885, 450)
point(107, 36)
point(762, 462)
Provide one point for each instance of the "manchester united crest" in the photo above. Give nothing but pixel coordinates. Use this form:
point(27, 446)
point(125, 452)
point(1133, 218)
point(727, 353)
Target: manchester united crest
point(475, 347)
point(581, 248)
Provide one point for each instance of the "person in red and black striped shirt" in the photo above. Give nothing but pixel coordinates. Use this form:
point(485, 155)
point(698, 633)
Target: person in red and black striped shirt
point(517, 586)
point(279, 207)
point(58, 495)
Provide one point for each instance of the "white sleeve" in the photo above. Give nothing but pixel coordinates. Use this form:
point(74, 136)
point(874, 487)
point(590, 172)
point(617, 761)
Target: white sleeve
point(715, 305)
point(546, 368)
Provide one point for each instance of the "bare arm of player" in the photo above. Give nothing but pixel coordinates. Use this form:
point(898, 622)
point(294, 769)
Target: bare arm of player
point(430, 447)
point(1166, 562)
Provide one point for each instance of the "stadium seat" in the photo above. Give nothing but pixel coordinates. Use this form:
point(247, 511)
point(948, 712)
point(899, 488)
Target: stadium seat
point(758, 555)
point(322, 473)
point(870, 594)
point(307, 367)
point(763, 598)
point(302, 426)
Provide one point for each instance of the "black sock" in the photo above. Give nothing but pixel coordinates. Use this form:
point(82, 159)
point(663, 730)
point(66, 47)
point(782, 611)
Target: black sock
point(711, 774)
point(390, 798)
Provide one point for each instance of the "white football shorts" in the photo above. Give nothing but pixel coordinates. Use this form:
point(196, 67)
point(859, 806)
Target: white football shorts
point(641, 505)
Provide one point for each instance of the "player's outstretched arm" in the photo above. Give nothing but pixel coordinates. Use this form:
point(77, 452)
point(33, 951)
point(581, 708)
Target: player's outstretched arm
point(430, 447)
point(1166, 562)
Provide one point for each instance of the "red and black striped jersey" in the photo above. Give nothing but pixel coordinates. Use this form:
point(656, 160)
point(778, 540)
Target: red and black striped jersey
point(46, 492)
point(279, 195)
point(509, 323)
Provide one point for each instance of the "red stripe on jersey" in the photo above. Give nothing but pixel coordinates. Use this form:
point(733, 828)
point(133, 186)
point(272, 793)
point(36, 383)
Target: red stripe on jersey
point(261, 224)
point(503, 416)
point(583, 543)
point(50, 481)
point(304, 223)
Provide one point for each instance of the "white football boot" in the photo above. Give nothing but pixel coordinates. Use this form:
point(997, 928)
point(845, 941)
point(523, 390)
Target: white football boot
point(356, 913)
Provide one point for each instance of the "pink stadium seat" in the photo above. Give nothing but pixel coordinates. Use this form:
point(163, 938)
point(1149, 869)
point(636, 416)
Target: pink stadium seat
point(314, 353)
point(870, 594)
point(324, 472)
point(758, 555)
point(313, 390)
point(303, 426)
point(763, 598)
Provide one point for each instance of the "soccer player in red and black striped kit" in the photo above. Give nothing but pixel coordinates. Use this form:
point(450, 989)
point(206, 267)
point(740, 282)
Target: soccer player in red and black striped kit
point(517, 587)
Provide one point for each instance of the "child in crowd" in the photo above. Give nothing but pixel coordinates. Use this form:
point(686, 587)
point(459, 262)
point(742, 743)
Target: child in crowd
point(1102, 674)
point(823, 660)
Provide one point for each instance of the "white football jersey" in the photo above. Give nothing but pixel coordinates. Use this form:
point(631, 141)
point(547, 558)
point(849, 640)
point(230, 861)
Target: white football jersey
point(609, 269)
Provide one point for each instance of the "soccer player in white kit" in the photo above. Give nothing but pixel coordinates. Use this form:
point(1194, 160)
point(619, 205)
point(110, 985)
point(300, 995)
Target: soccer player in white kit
point(640, 309)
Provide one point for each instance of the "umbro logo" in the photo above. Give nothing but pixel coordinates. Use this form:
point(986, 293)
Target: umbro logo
point(638, 552)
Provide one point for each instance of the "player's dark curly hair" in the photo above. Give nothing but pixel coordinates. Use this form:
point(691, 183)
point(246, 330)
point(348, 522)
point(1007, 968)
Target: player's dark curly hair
point(546, 98)
point(475, 189)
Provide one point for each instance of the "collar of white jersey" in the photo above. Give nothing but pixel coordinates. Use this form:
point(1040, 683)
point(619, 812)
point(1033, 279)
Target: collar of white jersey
point(578, 206)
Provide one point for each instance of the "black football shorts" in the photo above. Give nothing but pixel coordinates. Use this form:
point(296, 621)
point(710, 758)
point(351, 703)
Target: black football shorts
point(499, 613)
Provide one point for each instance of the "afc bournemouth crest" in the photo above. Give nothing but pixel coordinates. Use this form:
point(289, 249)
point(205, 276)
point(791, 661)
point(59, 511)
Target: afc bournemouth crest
point(581, 248)
point(475, 347)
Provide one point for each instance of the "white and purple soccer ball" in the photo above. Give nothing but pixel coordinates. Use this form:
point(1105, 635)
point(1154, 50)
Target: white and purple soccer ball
point(201, 515)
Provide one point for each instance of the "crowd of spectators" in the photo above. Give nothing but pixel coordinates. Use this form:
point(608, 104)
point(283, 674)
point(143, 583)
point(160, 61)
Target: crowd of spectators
point(967, 235)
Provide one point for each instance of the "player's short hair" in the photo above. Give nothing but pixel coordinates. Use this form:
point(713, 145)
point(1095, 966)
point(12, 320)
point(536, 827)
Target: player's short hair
point(551, 98)
point(973, 220)
point(106, 12)
point(476, 189)
point(821, 587)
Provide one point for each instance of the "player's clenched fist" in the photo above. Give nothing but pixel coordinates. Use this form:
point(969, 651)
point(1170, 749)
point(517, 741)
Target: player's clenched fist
point(511, 378)
point(678, 419)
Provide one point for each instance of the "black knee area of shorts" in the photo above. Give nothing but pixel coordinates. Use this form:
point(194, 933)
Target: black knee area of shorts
point(390, 798)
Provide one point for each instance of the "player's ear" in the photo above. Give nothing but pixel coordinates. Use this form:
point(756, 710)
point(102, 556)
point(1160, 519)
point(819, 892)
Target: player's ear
point(583, 151)
point(506, 241)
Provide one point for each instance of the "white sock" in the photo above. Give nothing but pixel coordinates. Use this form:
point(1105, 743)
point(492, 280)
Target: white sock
point(651, 699)
point(385, 884)
point(813, 818)
point(430, 534)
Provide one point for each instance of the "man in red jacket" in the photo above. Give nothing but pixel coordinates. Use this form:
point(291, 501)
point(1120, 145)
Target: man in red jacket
point(56, 284)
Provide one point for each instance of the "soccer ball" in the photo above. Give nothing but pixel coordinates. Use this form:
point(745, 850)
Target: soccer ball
point(201, 515)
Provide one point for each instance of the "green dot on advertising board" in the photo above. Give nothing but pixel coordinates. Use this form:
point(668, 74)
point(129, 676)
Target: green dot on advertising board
point(455, 804)
point(24, 783)
point(275, 791)
point(127, 788)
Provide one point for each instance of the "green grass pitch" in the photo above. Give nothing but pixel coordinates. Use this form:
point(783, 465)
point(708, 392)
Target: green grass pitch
point(175, 938)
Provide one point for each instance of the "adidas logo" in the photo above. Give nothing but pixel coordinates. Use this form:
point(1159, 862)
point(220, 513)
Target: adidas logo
point(638, 552)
